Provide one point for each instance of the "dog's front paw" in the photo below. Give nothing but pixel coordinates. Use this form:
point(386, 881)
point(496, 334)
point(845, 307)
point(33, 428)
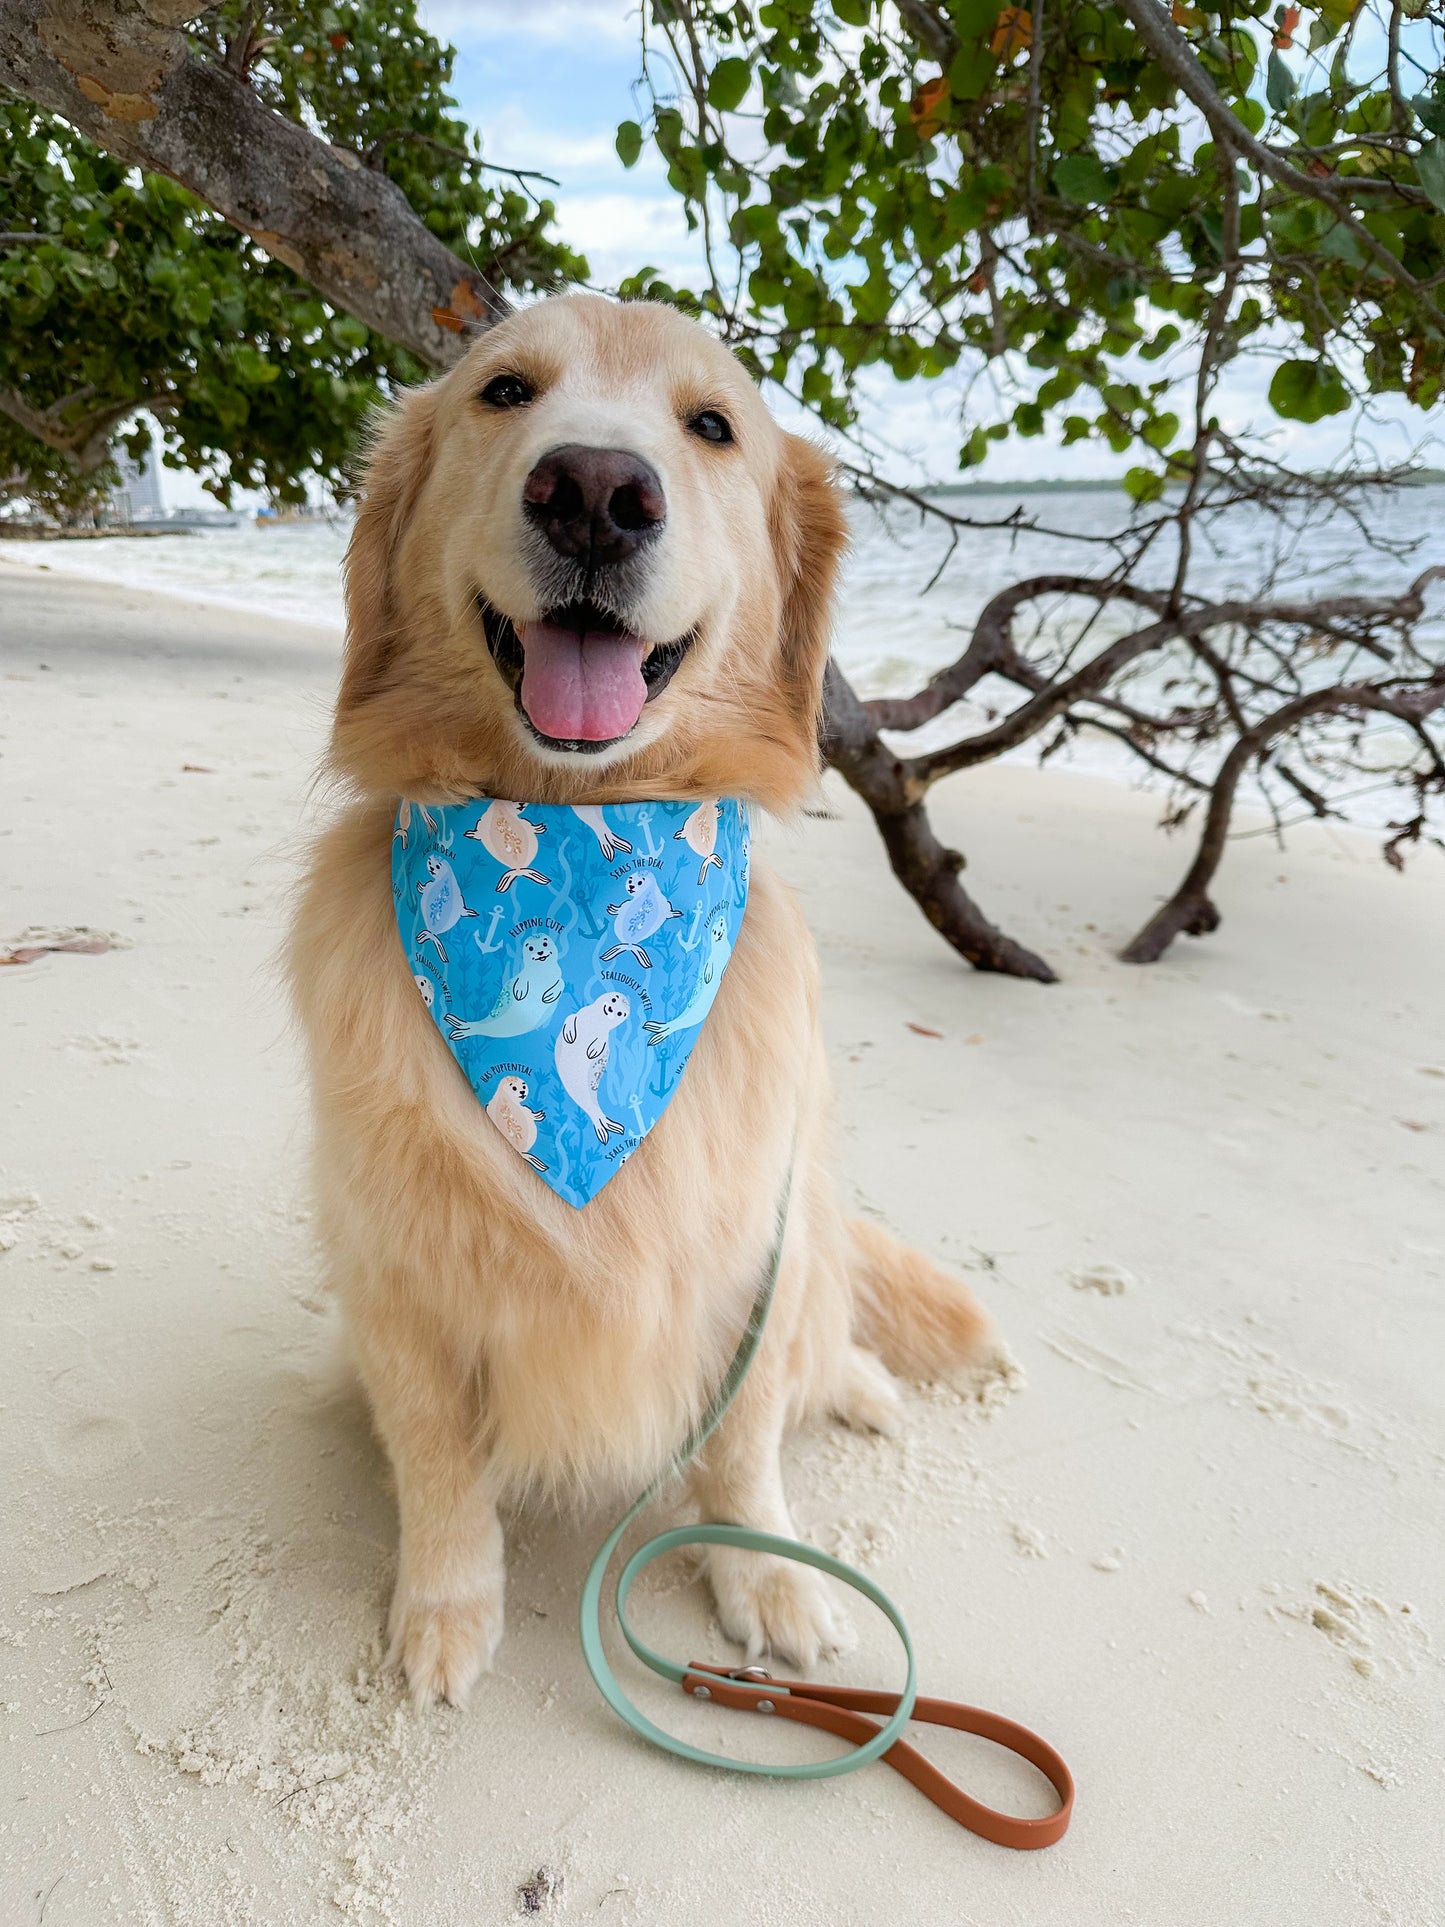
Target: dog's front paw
point(771, 1606)
point(867, 1399)
point(444, 1645)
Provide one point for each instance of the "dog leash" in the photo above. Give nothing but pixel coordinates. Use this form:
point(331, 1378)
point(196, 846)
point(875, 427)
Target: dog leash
point(844, 1711)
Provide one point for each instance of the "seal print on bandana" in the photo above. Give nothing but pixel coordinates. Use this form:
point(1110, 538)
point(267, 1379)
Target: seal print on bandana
point(573, 1018)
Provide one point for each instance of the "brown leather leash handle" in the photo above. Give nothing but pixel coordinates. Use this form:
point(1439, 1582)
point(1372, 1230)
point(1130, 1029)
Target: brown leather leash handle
point(842, 1709)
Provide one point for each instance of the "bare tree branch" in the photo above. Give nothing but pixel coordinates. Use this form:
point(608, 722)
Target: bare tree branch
point(991, 650)
point(1190, 910)
point(1322, 616)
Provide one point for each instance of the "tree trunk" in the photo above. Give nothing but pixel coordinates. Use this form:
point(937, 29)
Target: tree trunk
point(926, 868)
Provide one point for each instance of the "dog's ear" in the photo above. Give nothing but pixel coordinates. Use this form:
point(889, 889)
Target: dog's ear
point(396, 466)
point(809, 533)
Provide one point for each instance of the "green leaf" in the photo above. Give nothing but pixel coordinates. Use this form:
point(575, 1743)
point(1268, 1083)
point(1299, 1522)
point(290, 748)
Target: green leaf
point(1279, 86)
point(195, 304)
point(1321, 123)
point(729, 84)
point(1340, 244)
point(629, 143)
point(1083, 178)
point(970, 71)
point(1143, 485)
point(1304, 391)
point(1430, 113)
point(348, 332)
point(253, 368)
point(1430, 166)
point(872, 298)
point(1161, 344)
point(973, 19)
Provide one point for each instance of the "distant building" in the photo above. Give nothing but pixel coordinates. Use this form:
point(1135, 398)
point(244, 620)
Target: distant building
point(138, 498)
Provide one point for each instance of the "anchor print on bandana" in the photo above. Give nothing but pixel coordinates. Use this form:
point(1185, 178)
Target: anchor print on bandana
point(570, 957)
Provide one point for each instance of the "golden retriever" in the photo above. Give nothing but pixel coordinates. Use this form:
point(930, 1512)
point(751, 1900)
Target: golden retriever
point(613, 458)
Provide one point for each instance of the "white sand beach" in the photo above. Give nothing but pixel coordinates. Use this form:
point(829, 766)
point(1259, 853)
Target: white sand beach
point(1200, 1549)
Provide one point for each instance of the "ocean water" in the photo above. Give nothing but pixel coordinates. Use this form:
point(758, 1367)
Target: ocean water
point(896, 623)
point(292, 571)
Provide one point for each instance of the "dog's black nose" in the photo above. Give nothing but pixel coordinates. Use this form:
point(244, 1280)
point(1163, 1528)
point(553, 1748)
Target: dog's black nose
point(598, 504)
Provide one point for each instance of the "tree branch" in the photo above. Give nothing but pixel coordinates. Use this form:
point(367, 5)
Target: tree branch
point(1191, 623)
point(991, 648)
point(241, 47)
point(86, 442)
point(1190, 909)
point(931, 28)
point(128, 80)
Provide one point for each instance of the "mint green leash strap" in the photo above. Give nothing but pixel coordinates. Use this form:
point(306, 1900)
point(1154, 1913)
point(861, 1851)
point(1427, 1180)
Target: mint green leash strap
point(749, 1541)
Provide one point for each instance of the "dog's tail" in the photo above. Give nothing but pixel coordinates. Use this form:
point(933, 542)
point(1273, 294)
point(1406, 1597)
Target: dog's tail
point(921, 1320)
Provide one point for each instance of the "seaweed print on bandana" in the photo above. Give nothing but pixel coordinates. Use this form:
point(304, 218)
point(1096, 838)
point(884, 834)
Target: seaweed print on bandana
point(570, 957)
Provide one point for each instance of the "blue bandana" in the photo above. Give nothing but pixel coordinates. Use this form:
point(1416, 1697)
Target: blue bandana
point(569, 957)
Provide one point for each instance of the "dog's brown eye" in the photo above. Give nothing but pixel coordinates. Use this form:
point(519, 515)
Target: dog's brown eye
point(506, 391)
point(711, 426)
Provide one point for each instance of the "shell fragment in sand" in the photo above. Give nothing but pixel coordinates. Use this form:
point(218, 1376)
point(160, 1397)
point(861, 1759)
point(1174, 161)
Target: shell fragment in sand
point(1108, 1280)
point(38, 941)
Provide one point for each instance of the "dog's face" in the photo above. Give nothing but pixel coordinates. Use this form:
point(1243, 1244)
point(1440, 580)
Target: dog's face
point(589, 566)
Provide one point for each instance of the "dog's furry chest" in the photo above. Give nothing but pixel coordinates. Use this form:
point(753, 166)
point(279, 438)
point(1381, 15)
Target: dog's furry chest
point(581, 1401)
point(591, 1337)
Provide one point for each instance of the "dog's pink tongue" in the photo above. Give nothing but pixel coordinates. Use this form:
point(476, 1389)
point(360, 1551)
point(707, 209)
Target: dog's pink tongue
point(581, 688)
